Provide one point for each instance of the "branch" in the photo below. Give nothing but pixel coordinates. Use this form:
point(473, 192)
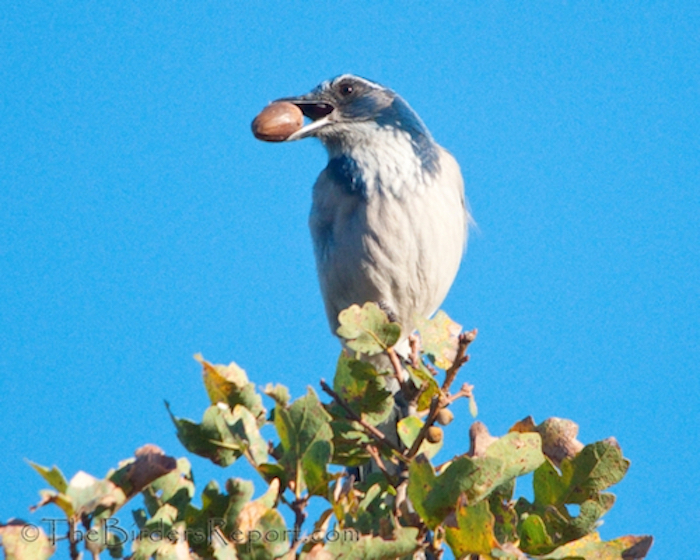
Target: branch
point(435, 406)
point(298, 507)
point(372, 450)
point(73, 540)
point(465, 339)
point(464, 391)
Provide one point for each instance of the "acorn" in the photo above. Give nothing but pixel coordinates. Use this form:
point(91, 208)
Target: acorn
point(277, 122)
point(444, 417)
point(434, 434)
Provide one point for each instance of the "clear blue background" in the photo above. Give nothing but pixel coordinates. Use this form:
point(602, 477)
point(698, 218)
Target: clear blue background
point(140, 221)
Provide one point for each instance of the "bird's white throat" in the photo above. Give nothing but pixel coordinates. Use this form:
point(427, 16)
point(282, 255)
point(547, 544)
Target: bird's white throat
point(384, 157)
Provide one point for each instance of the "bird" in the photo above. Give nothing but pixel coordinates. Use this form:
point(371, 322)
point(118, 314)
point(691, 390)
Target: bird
point(389, 218)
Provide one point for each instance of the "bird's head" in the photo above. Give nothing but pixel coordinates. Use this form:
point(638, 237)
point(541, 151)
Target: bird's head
point(347, 108)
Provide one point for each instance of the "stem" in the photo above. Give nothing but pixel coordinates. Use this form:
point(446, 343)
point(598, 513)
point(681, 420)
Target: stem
point(73, 542)
point(298, 507)
point(435, 406)
point(380, 464)
point(465, 339)
point(396, 364)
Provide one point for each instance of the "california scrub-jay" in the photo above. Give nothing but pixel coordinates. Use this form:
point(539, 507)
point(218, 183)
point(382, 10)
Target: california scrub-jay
point(389, 219)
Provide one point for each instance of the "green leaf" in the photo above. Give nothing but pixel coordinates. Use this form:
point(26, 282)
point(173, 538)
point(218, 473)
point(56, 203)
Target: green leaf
point(229, 384)
point(217, 518)
point(56, 479)
point(247, 435)
point(590, 511)
point(23, 541)
point(470, 530)
point(239, 494)
point(364, 547)
point(278, 392)
point(520, 453)
point(367, 329)
point(549, 487)
point(423, 378)
point(475, 478)
point(439, 338)
point(590, 546)
point(503, 509)
point(358, 383)
point(270, 471)
point(473, 409)
point(505, 459)
point(156, 534)
point(534, 538)
point(90, 495)
point(224, 551)
point(53, 476)
point(206, 439)
point(372, 493)
point(140, 517)
point(421, 479)
point(261, 529)
point(438, 495)
point(462, 476)
point(305, 438)
point(59, 499)
point(597, 467)
point(349, 440)
point(408, 429)
point(175, 489)
point(314, 463)
point(224, 435)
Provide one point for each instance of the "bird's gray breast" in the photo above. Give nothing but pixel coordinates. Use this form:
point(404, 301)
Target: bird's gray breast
point(339, 227)
point(399, 246)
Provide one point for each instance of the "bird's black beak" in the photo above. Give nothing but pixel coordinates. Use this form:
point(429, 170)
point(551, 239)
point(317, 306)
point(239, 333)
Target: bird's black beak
point(315, 109)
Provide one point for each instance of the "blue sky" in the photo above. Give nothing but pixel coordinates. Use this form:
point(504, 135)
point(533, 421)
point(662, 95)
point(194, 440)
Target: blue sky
point(141, 222)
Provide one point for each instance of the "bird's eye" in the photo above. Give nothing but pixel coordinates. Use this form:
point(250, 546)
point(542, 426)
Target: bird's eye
point(346, 89)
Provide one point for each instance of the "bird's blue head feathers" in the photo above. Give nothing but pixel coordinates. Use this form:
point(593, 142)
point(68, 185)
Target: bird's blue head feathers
point(340, 110)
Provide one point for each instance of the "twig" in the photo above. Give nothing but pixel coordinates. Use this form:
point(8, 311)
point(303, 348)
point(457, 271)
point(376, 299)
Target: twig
point(465, 339)
point(430, 368)
point(298, 507)
point(396, 364)
point(73, 540)
point(464, 391)
point(374, 453)
point(435, 406)
point(272, 452)
point(371, 430)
